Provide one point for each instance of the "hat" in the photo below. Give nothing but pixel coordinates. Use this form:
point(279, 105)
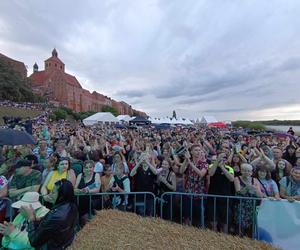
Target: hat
point(23, 163)
point(29, 198)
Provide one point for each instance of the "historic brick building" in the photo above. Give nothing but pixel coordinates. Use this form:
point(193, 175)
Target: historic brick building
point(58, 86)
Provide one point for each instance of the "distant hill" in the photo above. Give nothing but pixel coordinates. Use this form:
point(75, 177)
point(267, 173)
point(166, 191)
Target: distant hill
point(281, 122)
point(14, 85)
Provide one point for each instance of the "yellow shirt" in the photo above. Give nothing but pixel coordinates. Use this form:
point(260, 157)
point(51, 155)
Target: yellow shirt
point(56, 177)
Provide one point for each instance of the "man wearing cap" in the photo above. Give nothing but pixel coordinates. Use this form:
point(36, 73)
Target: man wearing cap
point(25, 180)
point(15, 233)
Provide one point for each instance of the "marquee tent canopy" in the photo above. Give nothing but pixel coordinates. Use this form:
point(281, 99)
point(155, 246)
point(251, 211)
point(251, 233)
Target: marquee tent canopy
point(217, 125)
point(140, 120)
point(208, 119)
point(171, 121)
point(100, 117)
point(125, 118)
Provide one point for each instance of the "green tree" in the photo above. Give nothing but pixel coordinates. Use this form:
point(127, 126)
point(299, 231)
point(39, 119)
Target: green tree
point(60, 114)
point(249, 124)
point(110, 109)
point(13, 86)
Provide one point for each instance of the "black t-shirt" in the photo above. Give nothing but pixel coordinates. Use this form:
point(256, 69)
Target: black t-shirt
point(145, 180)
point(219, 184)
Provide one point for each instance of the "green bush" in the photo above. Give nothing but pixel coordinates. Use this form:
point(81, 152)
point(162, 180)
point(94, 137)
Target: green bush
point(52, 117)
point(14, 87)
point(249, 124)
point(110, 109)
point(60, 114)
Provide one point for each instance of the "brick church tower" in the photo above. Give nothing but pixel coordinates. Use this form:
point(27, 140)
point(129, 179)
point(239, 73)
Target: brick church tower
point(54, 63)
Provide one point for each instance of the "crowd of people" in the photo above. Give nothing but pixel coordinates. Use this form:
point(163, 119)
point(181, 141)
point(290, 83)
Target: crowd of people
point(196, 161)
point(23, 105)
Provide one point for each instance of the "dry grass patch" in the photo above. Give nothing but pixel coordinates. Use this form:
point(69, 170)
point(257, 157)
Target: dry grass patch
point(112, 229)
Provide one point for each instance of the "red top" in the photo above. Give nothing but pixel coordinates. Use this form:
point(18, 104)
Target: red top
point(193, 182)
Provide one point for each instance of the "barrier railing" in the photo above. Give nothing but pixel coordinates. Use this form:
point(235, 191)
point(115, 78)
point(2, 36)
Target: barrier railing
point(235, 214)
point(143, 203)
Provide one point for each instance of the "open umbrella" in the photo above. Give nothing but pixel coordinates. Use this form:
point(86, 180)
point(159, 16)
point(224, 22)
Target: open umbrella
point(15, 137)
point(284, 135)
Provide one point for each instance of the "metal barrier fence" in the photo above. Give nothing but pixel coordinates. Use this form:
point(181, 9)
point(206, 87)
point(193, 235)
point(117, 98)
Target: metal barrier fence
point(201, 210)
point(142, 203)
point(235, 214)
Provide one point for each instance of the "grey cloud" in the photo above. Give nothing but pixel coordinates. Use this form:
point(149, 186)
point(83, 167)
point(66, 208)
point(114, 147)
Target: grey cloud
point(229, 110)
point(131, 93)
point(290, 64)
point(199, 54)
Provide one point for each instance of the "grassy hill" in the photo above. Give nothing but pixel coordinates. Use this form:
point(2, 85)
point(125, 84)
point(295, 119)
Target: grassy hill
point(23, 113)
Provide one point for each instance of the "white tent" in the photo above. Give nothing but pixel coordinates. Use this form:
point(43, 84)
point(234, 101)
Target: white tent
point(165, 120)
point(171, 121)
point(188, 122)
point(154, 120)
point(208, 119)
point(124, 118)
point(100, 117)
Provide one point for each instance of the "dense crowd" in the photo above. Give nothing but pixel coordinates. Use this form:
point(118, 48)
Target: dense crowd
point(194, 160)
point(23, 105)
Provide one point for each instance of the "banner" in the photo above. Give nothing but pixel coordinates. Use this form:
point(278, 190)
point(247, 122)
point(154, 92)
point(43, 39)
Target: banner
point(279, 223)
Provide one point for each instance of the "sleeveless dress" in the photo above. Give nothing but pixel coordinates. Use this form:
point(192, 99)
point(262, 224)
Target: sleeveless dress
point(246, 206)
point(84, 201)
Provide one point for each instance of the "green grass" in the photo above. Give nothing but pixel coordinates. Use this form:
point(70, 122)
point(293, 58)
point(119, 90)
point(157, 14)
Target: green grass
point(249, 124)
point(18, 112)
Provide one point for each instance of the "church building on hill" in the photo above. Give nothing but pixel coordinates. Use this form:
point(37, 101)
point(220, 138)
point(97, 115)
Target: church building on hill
point(60, 87)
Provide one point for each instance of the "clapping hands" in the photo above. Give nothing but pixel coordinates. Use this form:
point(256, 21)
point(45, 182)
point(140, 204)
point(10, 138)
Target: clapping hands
point(6, 228)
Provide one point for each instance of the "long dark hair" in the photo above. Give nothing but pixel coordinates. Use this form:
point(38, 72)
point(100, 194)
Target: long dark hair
point(290, 158)
point(62, 159)
point(65, 192)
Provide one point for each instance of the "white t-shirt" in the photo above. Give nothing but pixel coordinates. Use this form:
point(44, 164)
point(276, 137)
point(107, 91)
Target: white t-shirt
point(98, 167)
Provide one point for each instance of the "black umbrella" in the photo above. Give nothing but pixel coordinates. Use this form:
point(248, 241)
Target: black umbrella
point(15, 137)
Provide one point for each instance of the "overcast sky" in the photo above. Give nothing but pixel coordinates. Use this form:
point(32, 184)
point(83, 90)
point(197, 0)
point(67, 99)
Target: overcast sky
point(229, 58)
